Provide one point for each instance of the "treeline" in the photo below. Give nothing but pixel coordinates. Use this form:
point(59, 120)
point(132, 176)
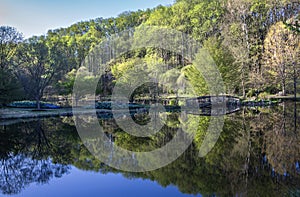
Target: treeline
point(255, 45)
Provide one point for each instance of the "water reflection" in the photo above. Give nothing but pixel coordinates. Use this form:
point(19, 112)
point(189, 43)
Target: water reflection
point(27, 156)
point(19, 171)
point(257, 153)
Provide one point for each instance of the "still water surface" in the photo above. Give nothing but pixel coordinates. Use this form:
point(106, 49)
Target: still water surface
point(257, 154)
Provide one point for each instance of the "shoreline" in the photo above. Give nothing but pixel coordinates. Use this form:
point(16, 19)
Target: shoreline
point(9, 113)
point(27, 113)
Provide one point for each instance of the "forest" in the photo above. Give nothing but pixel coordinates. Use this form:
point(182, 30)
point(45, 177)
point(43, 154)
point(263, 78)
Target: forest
point(254, 43)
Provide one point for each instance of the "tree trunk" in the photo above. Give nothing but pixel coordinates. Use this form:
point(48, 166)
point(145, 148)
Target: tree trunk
point(283, 131)
point(295, 82)
point(295, 89)
point(295, 117)
point(244, 91)
point(38, 104)
point(283, 89)
point(131, 98)
point(76, 98)
point(243, 82)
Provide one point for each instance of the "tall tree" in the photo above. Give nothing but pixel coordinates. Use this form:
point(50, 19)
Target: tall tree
point(282, 56)
point(236, 37)
point(246, 24)
point(38, 63)
point(9, 39)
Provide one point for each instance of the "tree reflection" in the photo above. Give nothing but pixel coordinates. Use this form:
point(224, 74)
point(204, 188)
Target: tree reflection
point(25, 159)
point(257, 153)
point(282, 141)
point(18, 171)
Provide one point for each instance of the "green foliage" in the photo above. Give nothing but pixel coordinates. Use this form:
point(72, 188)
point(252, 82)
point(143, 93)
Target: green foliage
point(84, 81)
point(9, 85)
point(293, 24)
point(252, 92)
point(197, 83)
point(37, 64)
point(170, 80)
point(224, 61)
point(9, 39)
point(241, 36)
point(65, 85)
point(10, 88)
point(234, 33)
point(282, 63)
point(120, 69)
point(263, 95)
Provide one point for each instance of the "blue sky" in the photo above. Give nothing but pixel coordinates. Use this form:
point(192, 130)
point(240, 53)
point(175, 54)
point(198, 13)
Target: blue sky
point(35, 17)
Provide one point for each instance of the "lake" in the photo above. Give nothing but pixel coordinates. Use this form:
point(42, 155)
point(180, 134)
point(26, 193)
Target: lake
point(256, 154)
